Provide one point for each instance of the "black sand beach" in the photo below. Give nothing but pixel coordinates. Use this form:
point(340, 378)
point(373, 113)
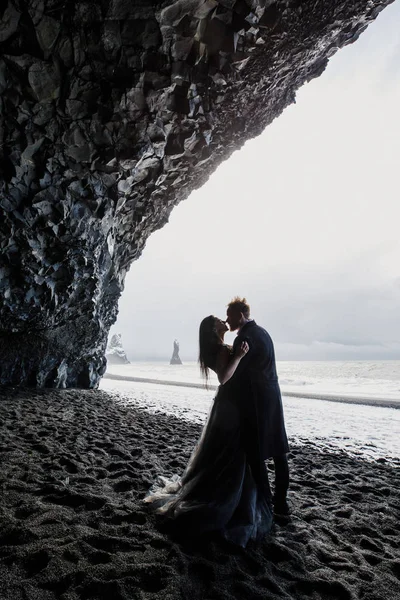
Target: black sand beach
point(75, 466)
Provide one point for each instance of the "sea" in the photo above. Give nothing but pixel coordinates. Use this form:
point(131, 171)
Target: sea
point(351, 406)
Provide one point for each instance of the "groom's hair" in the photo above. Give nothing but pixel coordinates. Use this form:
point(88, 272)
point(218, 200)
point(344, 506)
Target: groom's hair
point(241, 305)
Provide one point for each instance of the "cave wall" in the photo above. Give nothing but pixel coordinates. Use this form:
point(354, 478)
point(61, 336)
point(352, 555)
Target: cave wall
point(111, 113)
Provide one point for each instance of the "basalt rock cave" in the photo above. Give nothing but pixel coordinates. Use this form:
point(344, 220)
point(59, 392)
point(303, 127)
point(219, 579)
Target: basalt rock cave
point(111, 113)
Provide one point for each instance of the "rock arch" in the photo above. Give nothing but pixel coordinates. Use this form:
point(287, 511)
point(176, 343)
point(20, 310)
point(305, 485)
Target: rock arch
point(111, 113)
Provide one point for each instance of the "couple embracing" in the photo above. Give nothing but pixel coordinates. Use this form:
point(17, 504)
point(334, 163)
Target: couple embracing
point(225, 487)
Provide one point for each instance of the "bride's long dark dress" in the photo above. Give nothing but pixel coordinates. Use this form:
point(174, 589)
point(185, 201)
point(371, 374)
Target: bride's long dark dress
point(217, 492)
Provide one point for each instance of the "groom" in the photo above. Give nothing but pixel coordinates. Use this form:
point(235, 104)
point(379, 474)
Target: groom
point(256, 383)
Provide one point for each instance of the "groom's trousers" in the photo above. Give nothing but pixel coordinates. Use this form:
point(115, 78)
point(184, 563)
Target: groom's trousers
point(281, 477)
point(259, 471)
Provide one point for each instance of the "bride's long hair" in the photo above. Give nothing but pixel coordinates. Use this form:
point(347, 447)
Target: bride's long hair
point(209, 343)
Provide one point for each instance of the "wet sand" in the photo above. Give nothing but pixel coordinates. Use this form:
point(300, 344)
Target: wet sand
point(75, 466)
point(343, 398)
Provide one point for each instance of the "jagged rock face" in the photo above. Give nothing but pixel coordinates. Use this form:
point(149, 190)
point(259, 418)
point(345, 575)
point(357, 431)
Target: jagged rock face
point(111, 112)
point(115, 353)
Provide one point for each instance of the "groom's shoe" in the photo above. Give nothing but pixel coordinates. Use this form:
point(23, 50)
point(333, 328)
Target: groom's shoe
point(281, 507)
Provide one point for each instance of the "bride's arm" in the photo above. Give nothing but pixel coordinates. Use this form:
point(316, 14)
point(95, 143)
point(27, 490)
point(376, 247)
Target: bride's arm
point(227, 364)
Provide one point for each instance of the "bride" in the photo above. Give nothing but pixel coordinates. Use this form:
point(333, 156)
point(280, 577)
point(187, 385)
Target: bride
point(217, 492)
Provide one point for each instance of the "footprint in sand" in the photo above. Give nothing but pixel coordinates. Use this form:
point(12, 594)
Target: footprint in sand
point(101, 589)
point(136, 518)
point(41, 448)
point(160, 543)
point(136, 452)
point(344, 513)
point(22, 512)
point(69, 465)
point(334, 590)
point(71, 555)
point(16, 536)
point(109, 543)
point(36, 562)
point(151, 578)
point(123, 473)
point(277, 553)
point(76, 500)
point(395, 567)
point(44, 433)
point(372, 559)
point(126, 485)
point(119, 453)
point(99, 558)
point(116, 466)
point(368, 544)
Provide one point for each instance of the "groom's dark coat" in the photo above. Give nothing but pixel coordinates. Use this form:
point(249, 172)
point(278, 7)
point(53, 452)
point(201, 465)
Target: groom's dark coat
point(255, 385)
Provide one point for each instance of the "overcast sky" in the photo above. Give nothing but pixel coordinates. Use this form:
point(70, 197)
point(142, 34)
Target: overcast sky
point(304, 221)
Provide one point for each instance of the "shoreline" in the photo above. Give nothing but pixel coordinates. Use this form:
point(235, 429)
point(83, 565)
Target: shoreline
point(77, 464)
point(364, 400)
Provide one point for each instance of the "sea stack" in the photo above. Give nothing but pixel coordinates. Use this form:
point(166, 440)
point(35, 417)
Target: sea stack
point(115, 351)
point(175, 359)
